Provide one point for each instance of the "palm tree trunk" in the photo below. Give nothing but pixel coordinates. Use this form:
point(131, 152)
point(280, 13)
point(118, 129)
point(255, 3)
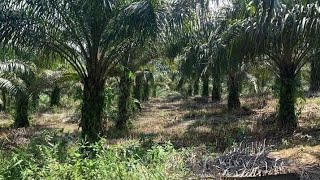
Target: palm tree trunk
point(123, 101)
point(55, 96)
point(92, 108)
point(234, 92)
point(153, 85)
point(180, 83)
point(287, 120)
point(138, 86)
point(196, 86)
point(205, 85)
point(4, 100)
point(216, 83)
point(146, 87)
point(315, 76)
point(216, 89)
point(21, 113)
point(35, 100)
point(190, 90)
point(8, 103)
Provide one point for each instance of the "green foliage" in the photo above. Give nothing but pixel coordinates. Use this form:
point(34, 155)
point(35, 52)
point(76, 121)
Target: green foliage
point(298, 93)
point(50, 157)
point(110, 111)
point(259, 80)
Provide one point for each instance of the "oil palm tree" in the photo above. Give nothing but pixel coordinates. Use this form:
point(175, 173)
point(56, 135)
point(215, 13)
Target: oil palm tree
point(23, 81)
point(287, 34)
point(14, 76)
point(136, 57)
point(90, 35)
point(190, 31)
point(235, 60)
point(230, 50)
point(15, 86)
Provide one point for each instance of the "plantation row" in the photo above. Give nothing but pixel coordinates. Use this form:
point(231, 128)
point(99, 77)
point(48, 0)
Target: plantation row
point(123, 52)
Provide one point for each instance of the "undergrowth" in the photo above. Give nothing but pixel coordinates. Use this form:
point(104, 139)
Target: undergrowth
point(51, 156)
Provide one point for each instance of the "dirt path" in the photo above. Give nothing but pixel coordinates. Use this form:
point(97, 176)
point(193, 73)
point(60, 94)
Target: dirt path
point(190, 123)
point(178, 120)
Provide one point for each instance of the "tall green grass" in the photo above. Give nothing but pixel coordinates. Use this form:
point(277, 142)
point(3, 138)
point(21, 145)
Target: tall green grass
point(52, 156)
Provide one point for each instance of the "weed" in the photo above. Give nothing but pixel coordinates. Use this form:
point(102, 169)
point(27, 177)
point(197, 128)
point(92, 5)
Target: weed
point(51, 157)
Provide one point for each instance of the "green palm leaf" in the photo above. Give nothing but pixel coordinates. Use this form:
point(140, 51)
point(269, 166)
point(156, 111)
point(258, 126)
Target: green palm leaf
point(16, 67)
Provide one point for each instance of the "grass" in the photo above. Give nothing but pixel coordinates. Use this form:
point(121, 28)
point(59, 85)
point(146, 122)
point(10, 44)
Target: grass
point(195, 129)
point(51, 156)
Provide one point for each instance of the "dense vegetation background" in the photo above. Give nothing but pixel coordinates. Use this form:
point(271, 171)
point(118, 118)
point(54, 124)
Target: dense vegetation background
point(159, 89)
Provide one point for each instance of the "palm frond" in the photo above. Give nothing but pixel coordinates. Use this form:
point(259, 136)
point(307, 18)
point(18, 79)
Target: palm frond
point(14, 66)
point(10, 87)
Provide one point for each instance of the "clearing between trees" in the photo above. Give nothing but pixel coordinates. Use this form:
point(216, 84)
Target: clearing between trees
point(196, 128)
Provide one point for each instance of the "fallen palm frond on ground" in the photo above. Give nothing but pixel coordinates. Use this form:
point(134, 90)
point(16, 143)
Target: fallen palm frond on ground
point(248, 161)
point(243, 161)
